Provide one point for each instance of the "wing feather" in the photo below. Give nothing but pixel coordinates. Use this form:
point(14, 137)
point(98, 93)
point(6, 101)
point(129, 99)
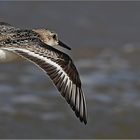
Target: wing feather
point(60, 69)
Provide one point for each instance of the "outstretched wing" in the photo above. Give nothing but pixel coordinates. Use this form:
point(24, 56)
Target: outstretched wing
point(60, 69)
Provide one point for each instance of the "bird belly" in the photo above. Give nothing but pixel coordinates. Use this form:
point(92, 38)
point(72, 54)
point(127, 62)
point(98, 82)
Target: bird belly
point(7, 56)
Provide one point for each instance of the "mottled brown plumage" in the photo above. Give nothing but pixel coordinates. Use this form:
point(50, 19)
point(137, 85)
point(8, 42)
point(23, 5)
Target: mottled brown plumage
point(32, 45)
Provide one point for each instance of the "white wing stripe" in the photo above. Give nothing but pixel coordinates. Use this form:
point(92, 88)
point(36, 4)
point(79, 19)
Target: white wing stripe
point(72, 93)
point(42, 58)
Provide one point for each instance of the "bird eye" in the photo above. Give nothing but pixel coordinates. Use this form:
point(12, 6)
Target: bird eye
point(54, 37)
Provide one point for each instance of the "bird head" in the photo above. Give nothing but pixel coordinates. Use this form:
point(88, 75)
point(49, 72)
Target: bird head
point(50, 38)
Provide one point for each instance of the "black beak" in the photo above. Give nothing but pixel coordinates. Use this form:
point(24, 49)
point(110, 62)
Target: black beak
point(63, 45)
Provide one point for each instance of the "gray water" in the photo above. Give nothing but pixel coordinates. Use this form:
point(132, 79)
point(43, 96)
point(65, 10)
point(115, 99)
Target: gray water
point(105, 42)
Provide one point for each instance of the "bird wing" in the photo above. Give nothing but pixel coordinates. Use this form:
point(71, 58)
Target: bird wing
point(60, 68)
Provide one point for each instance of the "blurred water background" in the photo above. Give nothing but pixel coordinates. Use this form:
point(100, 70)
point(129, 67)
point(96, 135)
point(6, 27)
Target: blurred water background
point(105, 42)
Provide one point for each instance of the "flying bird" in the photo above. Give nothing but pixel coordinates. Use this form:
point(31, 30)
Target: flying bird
point(39, 47)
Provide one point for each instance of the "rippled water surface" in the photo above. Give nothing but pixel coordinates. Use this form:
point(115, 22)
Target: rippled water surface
point(105, 41)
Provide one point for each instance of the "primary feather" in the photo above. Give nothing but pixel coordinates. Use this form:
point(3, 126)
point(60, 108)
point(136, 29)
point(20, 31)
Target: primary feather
point(58, 65)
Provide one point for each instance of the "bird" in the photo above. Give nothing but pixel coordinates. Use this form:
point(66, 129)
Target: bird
point(39, 46)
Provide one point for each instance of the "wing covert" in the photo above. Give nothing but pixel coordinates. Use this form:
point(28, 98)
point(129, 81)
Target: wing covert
point(60, 69)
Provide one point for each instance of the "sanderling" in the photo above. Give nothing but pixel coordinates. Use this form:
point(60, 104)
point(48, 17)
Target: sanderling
point(37, 46)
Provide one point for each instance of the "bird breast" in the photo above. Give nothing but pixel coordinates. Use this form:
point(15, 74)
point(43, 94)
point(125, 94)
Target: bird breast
point(7, 56)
